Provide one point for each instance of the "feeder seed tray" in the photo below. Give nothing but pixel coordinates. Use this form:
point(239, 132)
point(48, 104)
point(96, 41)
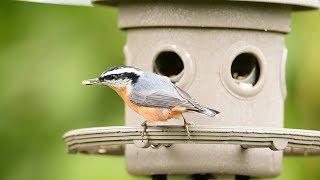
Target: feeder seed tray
point(111, 140)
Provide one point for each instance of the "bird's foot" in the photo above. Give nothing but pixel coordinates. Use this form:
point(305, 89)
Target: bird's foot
point(144, 131)
point(186, 127)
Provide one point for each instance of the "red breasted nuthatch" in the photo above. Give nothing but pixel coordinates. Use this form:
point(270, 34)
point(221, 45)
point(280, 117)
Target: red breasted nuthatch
point(151, 95)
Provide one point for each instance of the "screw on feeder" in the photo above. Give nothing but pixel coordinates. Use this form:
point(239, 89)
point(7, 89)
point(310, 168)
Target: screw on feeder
point(279, 144)
point(144, 143)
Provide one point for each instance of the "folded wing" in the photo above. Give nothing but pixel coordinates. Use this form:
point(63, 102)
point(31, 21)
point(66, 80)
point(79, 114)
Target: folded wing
point(164, 99)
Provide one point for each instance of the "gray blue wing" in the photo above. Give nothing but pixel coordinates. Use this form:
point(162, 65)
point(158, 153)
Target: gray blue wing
point(160, 99)
point(157, 91)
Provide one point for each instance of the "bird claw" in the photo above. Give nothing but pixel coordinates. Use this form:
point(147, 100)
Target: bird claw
point(186, 127)
point(144, 131)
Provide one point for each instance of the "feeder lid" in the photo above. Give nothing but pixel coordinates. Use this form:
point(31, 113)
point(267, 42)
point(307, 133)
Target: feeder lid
point(297, 4)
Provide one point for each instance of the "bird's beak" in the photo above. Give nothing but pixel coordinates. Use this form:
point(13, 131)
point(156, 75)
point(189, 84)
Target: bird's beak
point(94, 81)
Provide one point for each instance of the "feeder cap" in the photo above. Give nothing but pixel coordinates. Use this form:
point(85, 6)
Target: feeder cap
point(297, 4)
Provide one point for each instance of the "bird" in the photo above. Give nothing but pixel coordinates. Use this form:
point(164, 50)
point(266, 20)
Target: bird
point(151, 95)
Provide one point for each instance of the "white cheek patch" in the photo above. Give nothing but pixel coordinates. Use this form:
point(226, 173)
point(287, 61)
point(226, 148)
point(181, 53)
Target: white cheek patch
point(121, 83)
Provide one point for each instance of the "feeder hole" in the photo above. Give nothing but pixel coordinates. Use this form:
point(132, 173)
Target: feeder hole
point(169, 64)
point(245, 70)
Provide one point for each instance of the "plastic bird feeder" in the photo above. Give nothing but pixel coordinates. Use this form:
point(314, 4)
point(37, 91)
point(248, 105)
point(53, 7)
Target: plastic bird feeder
point(229, 55)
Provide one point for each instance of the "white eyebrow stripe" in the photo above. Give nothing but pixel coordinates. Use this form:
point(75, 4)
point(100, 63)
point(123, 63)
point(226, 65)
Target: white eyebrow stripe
point(122, 70)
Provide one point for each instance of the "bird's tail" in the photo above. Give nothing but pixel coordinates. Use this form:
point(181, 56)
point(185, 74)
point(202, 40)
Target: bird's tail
point(208, 112)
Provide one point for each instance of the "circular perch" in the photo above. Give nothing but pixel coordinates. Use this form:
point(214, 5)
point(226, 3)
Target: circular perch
point(111, 140)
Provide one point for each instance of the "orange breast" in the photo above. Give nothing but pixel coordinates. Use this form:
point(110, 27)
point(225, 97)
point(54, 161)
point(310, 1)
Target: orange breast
point(150, 113)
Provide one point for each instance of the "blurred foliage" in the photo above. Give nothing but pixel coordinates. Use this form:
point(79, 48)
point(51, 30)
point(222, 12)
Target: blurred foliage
point(47, 50)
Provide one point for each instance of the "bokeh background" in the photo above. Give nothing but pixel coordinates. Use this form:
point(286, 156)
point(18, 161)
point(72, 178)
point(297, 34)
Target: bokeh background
point(47, 50)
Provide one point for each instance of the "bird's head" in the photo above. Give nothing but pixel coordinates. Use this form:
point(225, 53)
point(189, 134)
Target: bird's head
point(116, 77)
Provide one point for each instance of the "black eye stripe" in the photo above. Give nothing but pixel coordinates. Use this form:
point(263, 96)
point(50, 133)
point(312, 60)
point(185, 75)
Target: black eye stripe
point(132, 76)
point(100, 78)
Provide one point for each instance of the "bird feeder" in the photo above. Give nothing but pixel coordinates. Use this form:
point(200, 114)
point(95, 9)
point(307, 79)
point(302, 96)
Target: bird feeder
point(229, 55)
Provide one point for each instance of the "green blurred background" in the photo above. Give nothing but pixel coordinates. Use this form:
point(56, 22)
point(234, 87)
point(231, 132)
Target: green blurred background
point(47, 50)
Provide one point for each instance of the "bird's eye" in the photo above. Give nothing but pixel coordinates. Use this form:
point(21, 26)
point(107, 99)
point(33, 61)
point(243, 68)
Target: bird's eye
point(113, 76)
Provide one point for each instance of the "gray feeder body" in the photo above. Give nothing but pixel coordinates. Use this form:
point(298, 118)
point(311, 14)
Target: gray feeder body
point(209, 36)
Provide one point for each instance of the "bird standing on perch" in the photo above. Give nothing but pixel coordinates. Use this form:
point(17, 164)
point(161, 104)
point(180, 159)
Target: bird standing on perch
point(151, 95)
